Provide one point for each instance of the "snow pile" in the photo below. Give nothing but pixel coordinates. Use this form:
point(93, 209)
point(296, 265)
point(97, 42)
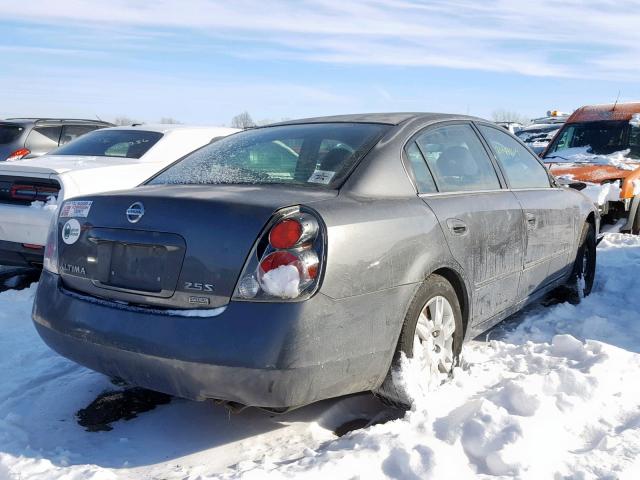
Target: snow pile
point(282, 282)
point(554, 393)
point(579, 155)
point(602, 193)
point(559, 410)
point(51, 204)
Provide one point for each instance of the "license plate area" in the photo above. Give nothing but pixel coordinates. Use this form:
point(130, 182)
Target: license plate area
point(145, 263)
point(137, 267)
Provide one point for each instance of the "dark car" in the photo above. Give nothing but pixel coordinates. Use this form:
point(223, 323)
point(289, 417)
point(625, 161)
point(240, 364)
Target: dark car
point(296, 262)
point(31, 137)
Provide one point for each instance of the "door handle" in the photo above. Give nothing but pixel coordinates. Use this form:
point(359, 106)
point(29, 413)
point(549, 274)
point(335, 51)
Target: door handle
point(457, 227)
point(531, 221)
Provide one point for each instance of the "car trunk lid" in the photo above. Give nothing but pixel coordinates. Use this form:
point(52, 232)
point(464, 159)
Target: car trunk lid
point(179, 247)
point(56, 164)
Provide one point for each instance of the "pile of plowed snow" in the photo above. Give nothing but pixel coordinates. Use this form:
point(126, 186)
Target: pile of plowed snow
point(554, 393)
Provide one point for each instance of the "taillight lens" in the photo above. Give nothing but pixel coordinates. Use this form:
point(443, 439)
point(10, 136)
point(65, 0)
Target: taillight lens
point(50, 262)
point(32, 192)
point(289, 264)
point(18, 154)
point(286, 233)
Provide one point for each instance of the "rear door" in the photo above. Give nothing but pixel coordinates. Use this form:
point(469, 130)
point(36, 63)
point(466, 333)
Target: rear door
point(481, 220)
point(548, 211)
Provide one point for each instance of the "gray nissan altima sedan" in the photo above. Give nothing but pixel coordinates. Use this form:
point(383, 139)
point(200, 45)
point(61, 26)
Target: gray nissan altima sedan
point(296, 262)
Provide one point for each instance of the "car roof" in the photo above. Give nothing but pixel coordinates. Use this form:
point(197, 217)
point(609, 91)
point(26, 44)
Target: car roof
point(391, 118)
point(603, 112)
point(537, 126)
point(164, 128)
point(49, 121)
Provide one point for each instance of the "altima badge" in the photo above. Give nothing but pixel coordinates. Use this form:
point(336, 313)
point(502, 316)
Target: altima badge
point(135, 212)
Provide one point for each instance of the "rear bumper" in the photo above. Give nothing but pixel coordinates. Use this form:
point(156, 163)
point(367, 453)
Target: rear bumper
point(24, 224)
point(16, 255)
point(273, 355)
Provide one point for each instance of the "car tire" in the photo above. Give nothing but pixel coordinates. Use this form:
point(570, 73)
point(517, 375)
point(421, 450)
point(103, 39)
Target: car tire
point(635, 227)
point(435, 287)
point(584, 267)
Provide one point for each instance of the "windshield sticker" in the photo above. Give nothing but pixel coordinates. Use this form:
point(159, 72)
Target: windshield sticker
point(71, 231)
point(321, 176)
point(76, 209)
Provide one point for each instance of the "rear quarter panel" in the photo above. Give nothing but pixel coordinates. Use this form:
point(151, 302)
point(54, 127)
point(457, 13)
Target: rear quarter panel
point(378, 244)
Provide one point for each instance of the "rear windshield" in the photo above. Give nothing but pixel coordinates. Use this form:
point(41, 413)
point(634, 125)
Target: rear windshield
point(111, 143)
point(600, 138)
point(10, 133)
point(310, 154)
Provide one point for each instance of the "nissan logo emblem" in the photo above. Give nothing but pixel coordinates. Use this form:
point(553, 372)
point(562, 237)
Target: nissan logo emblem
point(135, 212)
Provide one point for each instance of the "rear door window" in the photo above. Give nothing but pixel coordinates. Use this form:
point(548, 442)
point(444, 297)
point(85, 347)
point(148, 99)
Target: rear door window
point(457, 159)
point(43, 139)
point(523, 170)
point(10, 133)
point(71, 132)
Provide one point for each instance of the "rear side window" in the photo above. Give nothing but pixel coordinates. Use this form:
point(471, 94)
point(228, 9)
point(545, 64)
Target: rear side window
point(320, 154)
point(10, 133)
point(522, 169)
point(457, 159)
point(71, 132)
point(421, 173)
point(112, 143)
point(43, 139)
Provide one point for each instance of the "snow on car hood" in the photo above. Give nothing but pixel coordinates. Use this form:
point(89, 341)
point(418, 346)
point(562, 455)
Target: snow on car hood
point(56, 164)
point(581, 155)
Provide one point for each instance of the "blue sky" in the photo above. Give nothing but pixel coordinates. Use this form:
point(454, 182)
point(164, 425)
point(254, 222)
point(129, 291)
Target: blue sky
point(203, 61)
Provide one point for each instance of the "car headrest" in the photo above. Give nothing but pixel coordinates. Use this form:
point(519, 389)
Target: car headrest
point(456, 162)
point(334, 159)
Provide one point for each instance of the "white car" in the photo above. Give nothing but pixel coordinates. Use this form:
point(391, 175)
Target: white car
point(105, 160)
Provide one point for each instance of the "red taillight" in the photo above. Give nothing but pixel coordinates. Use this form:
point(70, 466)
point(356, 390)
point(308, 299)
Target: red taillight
point(18, 154)
point(278, 259)
point(295, 240)
point(32, 192)
point(33, 246)
point(285, 234)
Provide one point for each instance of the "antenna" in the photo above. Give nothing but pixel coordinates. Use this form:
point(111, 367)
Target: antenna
point(99, 118)
point(616, 102)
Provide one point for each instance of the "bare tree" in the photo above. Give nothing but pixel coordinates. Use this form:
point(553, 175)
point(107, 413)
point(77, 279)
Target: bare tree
point(124, 120)
point(242, 120)
point(170, 121)
point(502, 115)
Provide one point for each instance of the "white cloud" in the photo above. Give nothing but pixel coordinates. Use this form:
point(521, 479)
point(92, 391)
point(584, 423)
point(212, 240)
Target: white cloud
point(545, 38)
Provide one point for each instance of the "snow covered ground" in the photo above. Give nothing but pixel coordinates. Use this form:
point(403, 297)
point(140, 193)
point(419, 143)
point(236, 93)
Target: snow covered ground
point(552, 393)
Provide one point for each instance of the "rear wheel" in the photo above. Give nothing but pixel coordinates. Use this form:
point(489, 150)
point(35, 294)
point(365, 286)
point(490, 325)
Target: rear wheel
point(431, 335)
point(584, 268)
